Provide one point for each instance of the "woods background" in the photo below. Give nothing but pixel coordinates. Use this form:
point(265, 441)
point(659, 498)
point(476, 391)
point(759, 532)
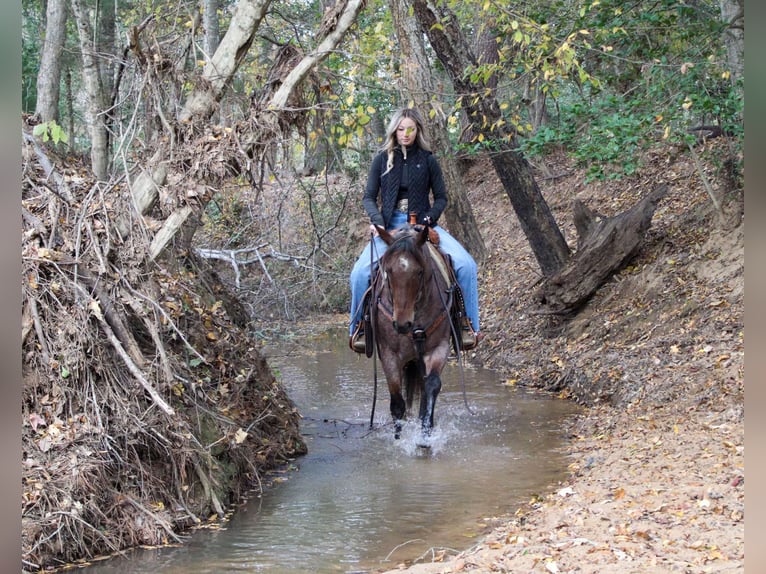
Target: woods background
point(159, 244)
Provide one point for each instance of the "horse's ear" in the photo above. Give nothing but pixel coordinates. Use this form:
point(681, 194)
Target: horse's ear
point(385, 235)
point(422, 236)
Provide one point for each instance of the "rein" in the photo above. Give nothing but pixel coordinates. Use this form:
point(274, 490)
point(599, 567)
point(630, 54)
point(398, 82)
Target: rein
point(372, 342)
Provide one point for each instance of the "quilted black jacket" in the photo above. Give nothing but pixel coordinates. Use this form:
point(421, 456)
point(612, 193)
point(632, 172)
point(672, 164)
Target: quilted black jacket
point(424, 176)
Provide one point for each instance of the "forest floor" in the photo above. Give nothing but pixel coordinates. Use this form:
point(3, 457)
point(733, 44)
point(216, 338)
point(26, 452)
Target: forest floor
point(656, 479)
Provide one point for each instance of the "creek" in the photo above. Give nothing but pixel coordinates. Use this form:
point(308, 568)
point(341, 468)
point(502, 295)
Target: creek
point(361, 501)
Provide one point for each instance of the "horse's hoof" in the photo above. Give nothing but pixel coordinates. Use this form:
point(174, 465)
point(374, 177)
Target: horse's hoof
point(397, 436)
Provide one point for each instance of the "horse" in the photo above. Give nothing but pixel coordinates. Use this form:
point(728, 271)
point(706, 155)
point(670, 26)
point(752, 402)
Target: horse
point(411, 322)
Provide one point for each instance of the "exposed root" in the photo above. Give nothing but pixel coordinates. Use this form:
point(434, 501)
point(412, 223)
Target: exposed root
point(144, 406)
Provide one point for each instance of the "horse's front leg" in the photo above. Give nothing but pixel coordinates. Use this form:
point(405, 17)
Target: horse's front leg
point(398, 410)
point(431, 388)
point(393, 372)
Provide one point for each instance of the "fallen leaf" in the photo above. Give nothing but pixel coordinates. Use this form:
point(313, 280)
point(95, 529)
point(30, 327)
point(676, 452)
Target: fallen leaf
point(44, 444)
point(715, 555)
point(96, 308)
point(36, 420)
point(240, 436)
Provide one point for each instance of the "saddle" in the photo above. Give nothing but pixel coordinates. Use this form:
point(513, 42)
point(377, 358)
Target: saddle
point(360, 342)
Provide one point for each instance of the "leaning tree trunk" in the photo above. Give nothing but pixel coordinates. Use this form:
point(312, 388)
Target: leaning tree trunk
point(419, 85)
point(49, 75)
point(537, 222)
point(95, 98)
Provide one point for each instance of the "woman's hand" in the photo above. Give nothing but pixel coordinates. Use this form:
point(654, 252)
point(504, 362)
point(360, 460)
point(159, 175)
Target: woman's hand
point(373, 230)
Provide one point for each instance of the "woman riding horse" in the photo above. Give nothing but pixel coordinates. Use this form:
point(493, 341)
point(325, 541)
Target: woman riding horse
point(402, 176)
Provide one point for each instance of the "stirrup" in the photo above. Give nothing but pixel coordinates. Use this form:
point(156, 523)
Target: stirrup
point(357, 341)
point(468, 337)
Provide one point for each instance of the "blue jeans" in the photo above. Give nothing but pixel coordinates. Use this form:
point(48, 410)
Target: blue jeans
point(465, 270)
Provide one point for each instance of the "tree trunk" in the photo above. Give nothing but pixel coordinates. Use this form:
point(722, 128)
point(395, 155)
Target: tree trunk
point(534, 98)
point(316, 156)
point(418, 84)
point(69, 101)
point(49, 77)
point(485, 46)
point(210, 23)
point(106, 48)
point(733, 15)
point(537, 222)
point(95, 99)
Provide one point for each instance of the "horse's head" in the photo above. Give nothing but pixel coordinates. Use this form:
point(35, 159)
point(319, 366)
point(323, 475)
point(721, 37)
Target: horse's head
point(405, 271)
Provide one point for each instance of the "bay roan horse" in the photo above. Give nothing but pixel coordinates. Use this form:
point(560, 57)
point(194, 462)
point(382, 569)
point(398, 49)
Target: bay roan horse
point(411, 322)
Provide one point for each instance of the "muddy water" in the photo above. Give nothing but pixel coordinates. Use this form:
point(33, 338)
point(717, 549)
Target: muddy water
point(360, 500)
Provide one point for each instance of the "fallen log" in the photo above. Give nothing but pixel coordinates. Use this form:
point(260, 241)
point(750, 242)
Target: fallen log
point(605, 245)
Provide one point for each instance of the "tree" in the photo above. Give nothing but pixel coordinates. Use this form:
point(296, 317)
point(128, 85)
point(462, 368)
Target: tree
point(605, 244)
point(99, 140)
point(448, 41)
point(49, 76)
point(418, 84)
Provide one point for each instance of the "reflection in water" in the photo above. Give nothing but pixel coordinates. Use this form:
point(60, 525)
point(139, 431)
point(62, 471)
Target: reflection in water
point(360, 499)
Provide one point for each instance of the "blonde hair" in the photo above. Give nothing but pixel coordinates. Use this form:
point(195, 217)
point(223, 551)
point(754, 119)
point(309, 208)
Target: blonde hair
point(390, 143)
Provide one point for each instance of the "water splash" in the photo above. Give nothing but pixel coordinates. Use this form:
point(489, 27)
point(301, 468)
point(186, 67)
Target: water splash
point(414, 442)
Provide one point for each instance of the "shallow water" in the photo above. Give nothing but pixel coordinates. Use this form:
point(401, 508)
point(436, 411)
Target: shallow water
point(361, 500)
